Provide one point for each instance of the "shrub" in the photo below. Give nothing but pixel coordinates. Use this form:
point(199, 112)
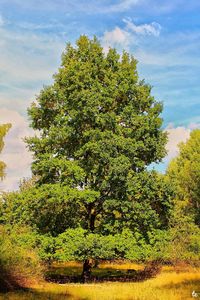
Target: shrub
point(19, 262)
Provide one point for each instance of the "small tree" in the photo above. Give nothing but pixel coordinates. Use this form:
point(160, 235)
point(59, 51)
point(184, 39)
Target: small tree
point(99, 130)
point(3, 130)
point(184, 173)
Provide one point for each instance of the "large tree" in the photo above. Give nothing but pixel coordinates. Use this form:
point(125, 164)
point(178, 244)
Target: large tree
point(99, 129)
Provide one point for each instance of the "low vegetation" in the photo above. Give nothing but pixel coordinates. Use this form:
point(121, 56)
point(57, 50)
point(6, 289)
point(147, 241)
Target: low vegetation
point(19, 263)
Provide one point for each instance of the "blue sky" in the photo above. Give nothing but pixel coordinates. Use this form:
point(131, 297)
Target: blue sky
point(163, 35)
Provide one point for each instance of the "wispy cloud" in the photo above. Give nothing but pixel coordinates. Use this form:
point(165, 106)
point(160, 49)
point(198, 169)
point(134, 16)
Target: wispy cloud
point(121, 6)
point(129, 34)
point(28, 61)
point(1, 20)
point(100, 6)
point(143, 29)
point(34, 26)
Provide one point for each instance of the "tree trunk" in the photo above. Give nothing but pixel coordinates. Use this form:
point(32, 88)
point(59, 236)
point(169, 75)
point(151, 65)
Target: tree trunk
point(92, 221)
point(86, 274)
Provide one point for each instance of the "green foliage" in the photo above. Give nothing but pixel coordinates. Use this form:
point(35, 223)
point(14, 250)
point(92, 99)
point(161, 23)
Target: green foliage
point(184, 235)
point(184, 243)
point(3, 130)
point(147, 207)
point(130, 246)
point(68, 242)
point(78, 244)
point(48, 208)
point(46, 245)
point(53, 208)
point(184, 173)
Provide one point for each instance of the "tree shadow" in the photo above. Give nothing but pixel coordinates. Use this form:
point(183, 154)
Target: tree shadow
point(8, 281)
point(106, 274)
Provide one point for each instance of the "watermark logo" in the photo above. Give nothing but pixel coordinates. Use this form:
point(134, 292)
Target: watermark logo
point(195, 294)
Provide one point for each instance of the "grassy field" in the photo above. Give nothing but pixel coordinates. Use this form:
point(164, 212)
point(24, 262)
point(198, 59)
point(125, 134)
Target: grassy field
point(171, 284)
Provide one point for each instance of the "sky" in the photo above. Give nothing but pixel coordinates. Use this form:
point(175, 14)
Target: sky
point(163, 35)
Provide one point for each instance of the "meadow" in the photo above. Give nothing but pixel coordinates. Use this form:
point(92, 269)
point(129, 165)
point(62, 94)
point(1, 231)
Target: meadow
point(173, 283)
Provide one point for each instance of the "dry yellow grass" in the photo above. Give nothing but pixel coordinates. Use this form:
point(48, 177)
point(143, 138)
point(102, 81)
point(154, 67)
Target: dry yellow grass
point(169, 285)
point(166, 286)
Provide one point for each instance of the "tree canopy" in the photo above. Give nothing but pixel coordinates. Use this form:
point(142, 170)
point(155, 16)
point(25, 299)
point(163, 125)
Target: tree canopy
point(100, 128)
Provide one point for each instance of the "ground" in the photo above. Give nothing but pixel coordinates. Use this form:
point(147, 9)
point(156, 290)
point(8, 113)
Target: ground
point(172, 283)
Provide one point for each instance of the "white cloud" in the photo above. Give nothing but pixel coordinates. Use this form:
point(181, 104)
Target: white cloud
point(124, 37)
point(175, 137)
point(143, 29)
point(193, 125)
point(15, 153)
point(116, 38)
